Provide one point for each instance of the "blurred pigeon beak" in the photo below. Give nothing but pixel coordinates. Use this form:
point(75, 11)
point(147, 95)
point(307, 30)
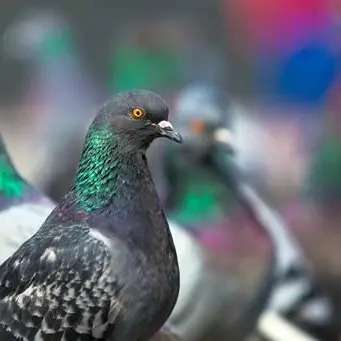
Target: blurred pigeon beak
point(224, 137)
point(166, 130)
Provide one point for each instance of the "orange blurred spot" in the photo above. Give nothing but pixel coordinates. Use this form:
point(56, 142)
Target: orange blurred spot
point(197, 126)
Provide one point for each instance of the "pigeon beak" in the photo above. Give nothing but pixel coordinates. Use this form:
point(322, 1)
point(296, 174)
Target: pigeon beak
point(166, 129)
point(224, 137)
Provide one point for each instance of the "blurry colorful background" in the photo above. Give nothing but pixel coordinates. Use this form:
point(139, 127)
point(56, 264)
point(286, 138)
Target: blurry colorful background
point(278, 62)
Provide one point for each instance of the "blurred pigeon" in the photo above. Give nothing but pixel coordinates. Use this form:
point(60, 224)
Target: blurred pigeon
point(195, 196)
point(103, 265)
point(202, 111)
point(295, 294)
point(59, 92)
point(198, 198)
point(22, 208)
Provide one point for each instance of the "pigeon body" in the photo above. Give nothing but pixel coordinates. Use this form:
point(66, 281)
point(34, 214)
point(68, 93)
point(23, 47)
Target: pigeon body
point(22, 208)
point(103, 265)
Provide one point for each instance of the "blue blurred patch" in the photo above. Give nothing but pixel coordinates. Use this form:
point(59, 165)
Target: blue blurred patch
point(302, 76)
point(306, 75)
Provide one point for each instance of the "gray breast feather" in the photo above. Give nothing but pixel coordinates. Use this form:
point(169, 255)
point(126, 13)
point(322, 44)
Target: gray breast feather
point(61, 285)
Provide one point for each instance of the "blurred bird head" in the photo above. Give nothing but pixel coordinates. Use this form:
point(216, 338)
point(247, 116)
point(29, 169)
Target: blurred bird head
point(199, 110)
point(26, 35)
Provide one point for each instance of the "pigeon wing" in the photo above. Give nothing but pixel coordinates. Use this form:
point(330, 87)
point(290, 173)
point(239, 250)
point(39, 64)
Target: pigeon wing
point(59, 285)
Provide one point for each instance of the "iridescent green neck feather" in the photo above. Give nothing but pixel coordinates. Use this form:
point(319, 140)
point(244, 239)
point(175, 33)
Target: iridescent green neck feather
point(96, 179)
point(11, 184)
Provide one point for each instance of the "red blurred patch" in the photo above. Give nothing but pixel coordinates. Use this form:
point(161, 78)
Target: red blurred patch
point(277, 22)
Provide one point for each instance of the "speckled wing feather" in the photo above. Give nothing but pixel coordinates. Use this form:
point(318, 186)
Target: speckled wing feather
point(59, 286)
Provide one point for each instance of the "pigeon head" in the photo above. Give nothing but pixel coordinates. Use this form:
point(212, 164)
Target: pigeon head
point(113, 157)
point(200, 108)
point(136, 118)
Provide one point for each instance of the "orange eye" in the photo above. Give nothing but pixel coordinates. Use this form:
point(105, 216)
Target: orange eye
point(138, 112)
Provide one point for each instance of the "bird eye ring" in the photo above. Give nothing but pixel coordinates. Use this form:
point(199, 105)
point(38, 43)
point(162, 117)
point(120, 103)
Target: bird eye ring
point(138, 113)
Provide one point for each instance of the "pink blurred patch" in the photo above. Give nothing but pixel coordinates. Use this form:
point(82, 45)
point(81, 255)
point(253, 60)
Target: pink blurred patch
point(281, 23)
point(234, 235)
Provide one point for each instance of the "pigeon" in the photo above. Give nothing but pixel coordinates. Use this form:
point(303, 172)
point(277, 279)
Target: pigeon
point(295, 294)
point(22, 208)
point(103, 265)
point(196, 199)
point(59, 94)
